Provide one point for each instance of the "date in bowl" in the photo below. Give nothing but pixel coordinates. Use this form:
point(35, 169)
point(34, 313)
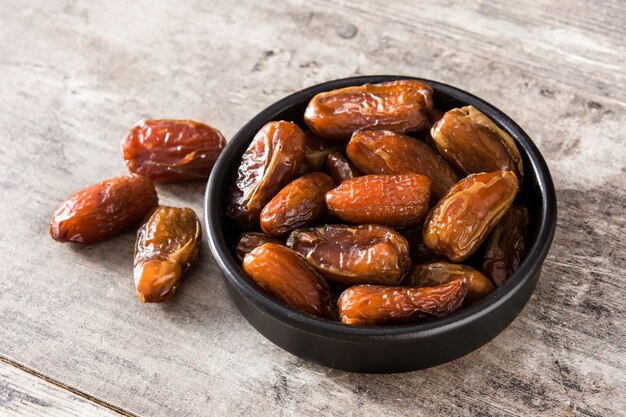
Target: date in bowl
point(391, 348)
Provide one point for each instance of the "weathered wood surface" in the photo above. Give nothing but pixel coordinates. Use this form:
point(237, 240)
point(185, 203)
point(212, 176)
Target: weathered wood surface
point(25, 394)
point(77, 74)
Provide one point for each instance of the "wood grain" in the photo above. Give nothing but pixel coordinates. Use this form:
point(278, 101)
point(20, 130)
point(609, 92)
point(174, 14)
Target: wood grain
point(25, 394)
point(77, 75)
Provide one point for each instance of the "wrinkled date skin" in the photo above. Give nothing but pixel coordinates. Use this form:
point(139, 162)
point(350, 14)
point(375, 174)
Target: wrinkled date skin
point(462, 219)
point(390, 200)
point(473, 143)
point(103, 210)
point(386, 152)
point(172, 150)
point(437, 273)
point(507, 245)
point(287, 277)
point(398, 105)
point(340, 168)
point(364, 254)
point(251, 240)
point(376, 304)
point(167, 245)
point(299, 204)
point(316, 151)
point(268, 164)
point(418, 250)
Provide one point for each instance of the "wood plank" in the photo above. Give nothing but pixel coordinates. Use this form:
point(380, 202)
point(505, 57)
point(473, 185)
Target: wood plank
point(552, 40)
point(24, 394)
point(78, 75)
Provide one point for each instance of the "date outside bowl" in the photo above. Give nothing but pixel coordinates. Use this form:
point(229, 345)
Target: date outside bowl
point(394, 348)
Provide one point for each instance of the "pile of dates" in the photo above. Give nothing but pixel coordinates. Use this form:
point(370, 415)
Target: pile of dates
point(384, 211)
point(168, 238)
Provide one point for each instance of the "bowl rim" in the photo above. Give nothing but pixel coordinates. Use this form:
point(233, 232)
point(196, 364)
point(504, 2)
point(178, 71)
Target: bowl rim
point(231, 270)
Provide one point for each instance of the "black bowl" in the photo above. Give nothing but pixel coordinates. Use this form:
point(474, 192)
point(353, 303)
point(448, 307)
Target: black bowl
point(381, 348)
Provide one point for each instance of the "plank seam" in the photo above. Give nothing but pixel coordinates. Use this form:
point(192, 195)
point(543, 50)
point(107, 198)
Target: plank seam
point(69, 388)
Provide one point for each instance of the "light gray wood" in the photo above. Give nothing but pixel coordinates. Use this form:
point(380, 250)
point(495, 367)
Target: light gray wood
point(76, 75)
point(24, 394)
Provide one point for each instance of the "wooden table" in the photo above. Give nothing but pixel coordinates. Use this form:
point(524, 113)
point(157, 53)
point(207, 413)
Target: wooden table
point(75, 340)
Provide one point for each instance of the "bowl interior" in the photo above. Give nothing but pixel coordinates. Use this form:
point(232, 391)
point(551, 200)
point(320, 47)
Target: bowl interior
point(536, 193)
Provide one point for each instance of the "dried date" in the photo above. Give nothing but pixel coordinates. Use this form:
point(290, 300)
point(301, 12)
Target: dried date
point(507, 245)
point(104, 209)
point(386, 152)
point(364, 254)
point(268, 164)
point(377, 305)
point(172, 150)
point(300, 203)
point(462, 219)
point(340, 168)
point(288, 278)
point(436, 273)
point(390, 200)
point(473, 143)
point(251, 240)
point(397, 105)
point(166, 247)
point(316, 151)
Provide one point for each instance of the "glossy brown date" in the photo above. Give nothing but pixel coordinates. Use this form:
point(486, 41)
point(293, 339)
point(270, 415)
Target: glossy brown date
point(288, 278)
point(299, 204)
point(473, 143)
point(340, 168)
point(172, 150)
point(251, 240)
point(316, 151)
point(397, 105)
point(386, 152)
point(376, 305)
point(268, 164)
point(436, 273)
point(507, 245)
point(390, 200)
point(166, 247)
point(364, 254)
point(462, 219)
point(103, 210)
